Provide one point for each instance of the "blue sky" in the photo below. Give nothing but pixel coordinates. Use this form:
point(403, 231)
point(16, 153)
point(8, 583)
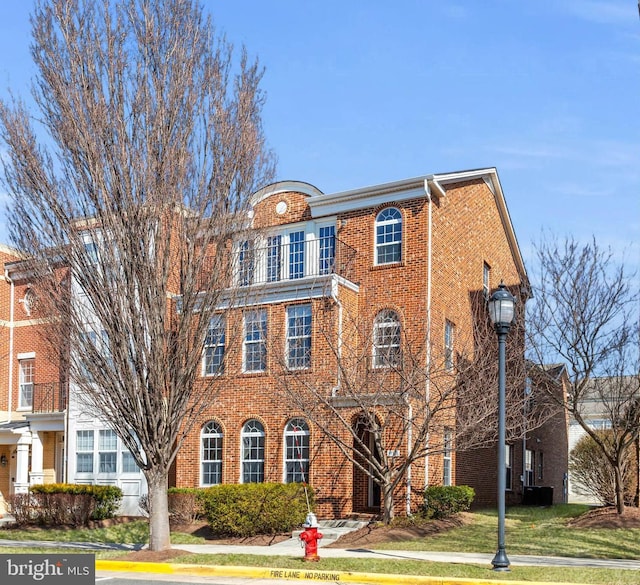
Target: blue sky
point(362, 92)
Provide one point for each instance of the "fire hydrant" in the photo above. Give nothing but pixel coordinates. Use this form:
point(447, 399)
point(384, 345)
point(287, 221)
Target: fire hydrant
point(310, 537)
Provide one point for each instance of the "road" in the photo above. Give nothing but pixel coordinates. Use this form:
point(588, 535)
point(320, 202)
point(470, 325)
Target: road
point(107, 578)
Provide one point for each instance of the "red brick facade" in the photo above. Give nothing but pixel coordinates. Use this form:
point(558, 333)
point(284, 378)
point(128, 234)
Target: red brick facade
point(455, 232)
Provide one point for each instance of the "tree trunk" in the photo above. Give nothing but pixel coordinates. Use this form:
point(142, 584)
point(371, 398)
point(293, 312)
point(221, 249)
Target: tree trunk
point(387, 503)
point(619, 489)
point(636, 499)
point(159, 530)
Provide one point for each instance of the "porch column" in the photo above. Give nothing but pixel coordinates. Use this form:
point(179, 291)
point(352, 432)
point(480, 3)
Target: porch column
point(21, 479)
point(36, 474)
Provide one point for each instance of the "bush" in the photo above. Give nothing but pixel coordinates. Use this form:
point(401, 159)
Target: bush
point(592, 475)
point(65, 504)
point(184, 505)
point(443, 501)
point(255, 508)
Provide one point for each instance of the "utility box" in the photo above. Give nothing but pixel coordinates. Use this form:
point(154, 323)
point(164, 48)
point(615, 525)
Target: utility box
point(537, 495)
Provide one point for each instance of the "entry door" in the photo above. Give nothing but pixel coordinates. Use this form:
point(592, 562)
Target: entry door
point(59, 458)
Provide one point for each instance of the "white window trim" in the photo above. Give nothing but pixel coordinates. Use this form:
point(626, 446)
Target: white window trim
point(261, 341)
point(377, 223)
point(21, 362)
point(223, 322)
point(377, 325)
point(218, 435)
point(243, 434)
point(288, 433)
point(288, 338)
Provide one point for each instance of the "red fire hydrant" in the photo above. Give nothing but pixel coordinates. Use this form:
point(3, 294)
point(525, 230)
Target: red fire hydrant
point(310, 537)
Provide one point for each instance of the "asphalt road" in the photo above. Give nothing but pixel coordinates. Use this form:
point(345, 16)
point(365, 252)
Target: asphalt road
point(106, 578)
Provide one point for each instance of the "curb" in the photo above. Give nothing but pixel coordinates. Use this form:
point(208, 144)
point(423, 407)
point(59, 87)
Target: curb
point(298, 574)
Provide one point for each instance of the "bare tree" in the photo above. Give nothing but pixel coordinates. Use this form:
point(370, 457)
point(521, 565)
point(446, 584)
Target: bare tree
point(125, 189)
point(584, 314)
point(395, 400)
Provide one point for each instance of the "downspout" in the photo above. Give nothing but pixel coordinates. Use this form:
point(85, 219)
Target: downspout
point(409, 443)
point(336, 300)
point(427, 189)
point(11, 327)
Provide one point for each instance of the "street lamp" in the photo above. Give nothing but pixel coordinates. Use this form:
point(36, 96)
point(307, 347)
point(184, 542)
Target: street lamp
point(501, 311)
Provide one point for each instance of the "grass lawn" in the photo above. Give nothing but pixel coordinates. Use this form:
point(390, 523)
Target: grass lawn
point(530, 530)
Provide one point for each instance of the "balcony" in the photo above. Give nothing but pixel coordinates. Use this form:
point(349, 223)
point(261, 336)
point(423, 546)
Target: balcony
point(50, 397)
point(294, 260)
point(287, 270)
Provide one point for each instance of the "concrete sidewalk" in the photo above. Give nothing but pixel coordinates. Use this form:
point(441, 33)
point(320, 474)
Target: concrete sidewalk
point(292, 548)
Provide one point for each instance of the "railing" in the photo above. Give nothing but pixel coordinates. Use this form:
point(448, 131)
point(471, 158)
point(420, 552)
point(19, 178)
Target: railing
point(294, 260)
point(49, 397)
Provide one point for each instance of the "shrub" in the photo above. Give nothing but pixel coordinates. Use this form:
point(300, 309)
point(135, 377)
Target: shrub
point(65, 504)
point(184, 505)
point(443, 501)
point(255, 508)
point(592, 475)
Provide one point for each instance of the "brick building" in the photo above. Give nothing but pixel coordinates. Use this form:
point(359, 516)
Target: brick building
point(407, 256)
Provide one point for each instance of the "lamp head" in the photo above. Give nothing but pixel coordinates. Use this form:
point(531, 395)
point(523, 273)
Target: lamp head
point(502, 308)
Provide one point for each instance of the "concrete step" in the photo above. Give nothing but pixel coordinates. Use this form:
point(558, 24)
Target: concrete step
point(331, 530)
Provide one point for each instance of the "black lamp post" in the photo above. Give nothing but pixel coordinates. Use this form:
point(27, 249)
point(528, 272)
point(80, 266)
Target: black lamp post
point(501, 311)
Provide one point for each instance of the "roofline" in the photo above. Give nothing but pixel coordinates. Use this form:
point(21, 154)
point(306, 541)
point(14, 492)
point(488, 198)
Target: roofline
point(418, 186)
point(283, 187)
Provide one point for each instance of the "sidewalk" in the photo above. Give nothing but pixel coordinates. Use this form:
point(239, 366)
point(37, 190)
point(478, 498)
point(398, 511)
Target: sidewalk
point(292, 548)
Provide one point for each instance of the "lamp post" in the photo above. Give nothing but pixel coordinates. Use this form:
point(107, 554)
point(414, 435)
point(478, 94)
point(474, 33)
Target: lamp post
point(501, 312)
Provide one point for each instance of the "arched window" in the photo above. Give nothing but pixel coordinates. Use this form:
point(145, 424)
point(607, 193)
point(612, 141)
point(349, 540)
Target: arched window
point(388, 236)
point(296, 443)
point(211, 454)
point(386, 339)
point(252, 452)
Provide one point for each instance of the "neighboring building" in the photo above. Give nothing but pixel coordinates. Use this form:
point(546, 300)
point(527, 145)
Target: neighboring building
point(412, 255)
point(33, 391)
point(537, 464)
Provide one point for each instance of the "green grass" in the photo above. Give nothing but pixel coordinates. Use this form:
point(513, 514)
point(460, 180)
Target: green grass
point(410, 567)
point(530, 530)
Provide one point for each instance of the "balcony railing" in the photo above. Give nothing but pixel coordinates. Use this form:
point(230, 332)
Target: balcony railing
point(293, 260)
point(49, 397)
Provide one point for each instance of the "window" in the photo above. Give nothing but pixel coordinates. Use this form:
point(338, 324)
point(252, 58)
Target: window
point(448, 345)
point(296, 254)
point(91, 250)
point(214, 345)
point(327, 236)
point(296, 438)
point(25, 396)
point(388, 236)
point(447, 444)
point(529, 466)
point(508, 461)
point(84, 451)
point(255, 341)
point(211, 455)
point(129, 464)
point(386, 339)
point(252, 452)
point(274, 258)
point(107, 451)
point(246, 265)
point(299, 337)
point(486, 272)
point(540, 466)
